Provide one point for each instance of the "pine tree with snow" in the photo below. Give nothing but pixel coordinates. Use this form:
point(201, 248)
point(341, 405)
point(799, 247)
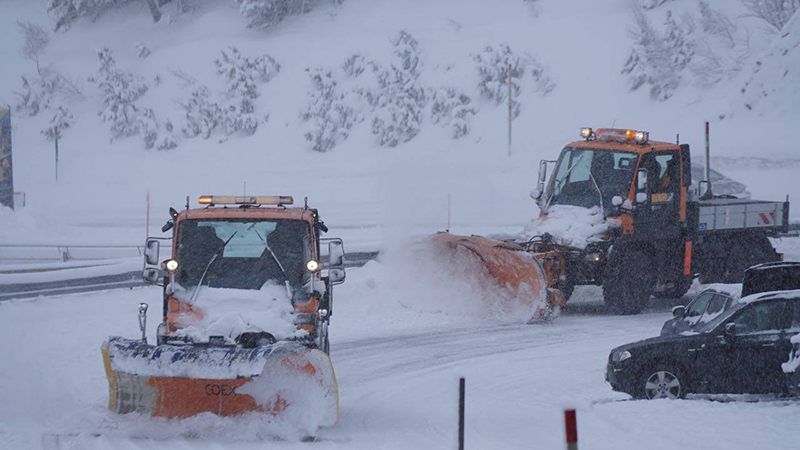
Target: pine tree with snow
point(62, 118)
point(201, 114)
point(66, 12)
point(493, 64)
point(266, 13)
point(399, 99)
point(120, 91)
point(241, 75)
point(331, 115)
point(453, 108)
point(651, 59)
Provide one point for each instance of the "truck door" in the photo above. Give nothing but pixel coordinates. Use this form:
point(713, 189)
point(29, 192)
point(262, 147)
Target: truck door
point(659, 216)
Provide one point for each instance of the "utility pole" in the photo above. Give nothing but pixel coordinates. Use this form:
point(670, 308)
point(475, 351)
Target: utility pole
point(509, 109)
point(55, 131)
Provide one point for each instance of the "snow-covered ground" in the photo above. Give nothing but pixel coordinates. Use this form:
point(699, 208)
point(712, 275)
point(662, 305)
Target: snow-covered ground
point(402, 332)
point(398, 350)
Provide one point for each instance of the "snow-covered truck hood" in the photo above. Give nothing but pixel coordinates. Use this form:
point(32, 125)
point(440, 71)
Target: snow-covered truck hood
point(231, 312)
point(573, 226)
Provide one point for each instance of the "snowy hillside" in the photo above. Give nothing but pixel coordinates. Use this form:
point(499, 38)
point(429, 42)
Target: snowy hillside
point(406, 97)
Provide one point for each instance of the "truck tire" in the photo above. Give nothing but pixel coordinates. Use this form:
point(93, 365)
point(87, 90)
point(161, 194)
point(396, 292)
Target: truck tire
point(627, 288)
point(748, 250)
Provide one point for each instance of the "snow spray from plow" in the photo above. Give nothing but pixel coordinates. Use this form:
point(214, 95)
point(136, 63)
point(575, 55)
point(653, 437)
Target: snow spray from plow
point(513, 271)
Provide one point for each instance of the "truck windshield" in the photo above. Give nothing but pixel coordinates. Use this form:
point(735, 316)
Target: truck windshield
point(246, 261)
point(585, 176)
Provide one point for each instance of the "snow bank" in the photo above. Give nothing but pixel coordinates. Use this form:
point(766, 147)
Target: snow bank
point(230, 312)
point(571, 225)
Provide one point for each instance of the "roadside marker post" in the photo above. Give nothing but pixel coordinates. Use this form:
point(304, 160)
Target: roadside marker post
point(571, 423)
point(55, 133)
point(461, 389)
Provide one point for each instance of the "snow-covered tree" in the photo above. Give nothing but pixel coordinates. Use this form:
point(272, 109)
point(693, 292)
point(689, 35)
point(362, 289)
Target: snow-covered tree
point(120, 91)
point(62, 118)
point(493, 65)
point(453, 108)
point(774, 12)
point(655, 59)
point(721, 46)
point(202, 115)
point(66, 12)
point(399, 100)
point(141, 50)
point(266, 13)
point(328, 110)
point(653, 4)
point(241, 76)
point(35, 41)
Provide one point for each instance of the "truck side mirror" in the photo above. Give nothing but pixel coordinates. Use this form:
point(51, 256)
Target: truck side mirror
point(335, 253)
point(336, 276)
point(151, 250)
point(641, 180)
point(542, 172)
point(536, 194)
point(153, 275)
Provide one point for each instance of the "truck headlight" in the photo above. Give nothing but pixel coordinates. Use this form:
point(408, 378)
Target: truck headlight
point(593, 257)
point(619, 356)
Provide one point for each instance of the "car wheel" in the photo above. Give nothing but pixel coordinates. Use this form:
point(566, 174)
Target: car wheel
point(662, 382)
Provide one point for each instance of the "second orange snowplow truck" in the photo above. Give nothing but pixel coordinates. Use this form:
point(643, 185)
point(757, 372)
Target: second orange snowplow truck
point(248, 295)
point(620, 211)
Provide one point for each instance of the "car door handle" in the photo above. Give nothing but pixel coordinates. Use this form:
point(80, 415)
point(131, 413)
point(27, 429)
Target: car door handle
point(768, 344)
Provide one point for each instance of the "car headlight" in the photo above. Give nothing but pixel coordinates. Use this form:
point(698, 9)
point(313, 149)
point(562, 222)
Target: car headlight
point(619, 356)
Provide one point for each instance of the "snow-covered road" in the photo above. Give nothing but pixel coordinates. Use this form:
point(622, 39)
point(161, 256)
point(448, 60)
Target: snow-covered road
point(398, 387)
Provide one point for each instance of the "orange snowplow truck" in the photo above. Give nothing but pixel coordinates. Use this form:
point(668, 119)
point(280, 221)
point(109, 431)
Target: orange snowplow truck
point(663, 233)
point(247, 299)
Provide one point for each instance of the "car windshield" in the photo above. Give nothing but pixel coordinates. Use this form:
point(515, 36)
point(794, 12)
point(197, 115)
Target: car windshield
point(257, 252)
point(585, 176)
point(709, 326)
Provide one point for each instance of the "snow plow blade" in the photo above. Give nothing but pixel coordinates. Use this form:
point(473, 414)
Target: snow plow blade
point(177, 381)
point(512, 268)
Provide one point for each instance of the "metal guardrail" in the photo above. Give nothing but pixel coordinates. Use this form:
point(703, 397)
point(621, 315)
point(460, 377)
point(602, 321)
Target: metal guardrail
point(46, 252)
point(117, 281)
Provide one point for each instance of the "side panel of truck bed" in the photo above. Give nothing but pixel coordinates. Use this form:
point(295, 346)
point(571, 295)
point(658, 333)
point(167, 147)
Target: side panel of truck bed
point(737, 214)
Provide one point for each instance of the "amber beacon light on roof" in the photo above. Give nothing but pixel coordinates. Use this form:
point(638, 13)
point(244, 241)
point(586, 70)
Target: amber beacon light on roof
point(279, 200)
point(612, 134)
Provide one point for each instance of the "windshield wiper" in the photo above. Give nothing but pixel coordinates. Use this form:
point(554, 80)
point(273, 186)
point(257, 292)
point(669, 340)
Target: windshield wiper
point(602, 209)
point(280, 266)
point(213, 258)
point(566, 175)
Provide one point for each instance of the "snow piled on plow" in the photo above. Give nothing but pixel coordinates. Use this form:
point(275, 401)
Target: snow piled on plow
point(573, 226)
point(230, 312)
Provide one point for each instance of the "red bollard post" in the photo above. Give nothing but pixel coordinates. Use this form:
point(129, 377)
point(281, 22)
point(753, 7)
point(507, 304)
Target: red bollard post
point(572, 429)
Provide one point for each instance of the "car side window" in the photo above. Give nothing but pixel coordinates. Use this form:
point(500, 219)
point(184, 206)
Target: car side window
point(794, 310)
point(698, 306)
point(761, 316)
point(715, 307)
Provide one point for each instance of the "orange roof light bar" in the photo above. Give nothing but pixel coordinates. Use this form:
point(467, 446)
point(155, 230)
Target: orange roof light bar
point(245, 200)
point(622, 135)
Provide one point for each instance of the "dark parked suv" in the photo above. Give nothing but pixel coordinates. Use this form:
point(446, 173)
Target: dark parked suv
point(739, 351)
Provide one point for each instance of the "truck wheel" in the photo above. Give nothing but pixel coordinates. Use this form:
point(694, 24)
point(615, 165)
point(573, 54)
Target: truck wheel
point(747, 251)
point(678, 290)
point(628, 286)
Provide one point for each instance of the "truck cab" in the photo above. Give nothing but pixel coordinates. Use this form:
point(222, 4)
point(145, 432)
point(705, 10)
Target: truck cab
point(240, 245)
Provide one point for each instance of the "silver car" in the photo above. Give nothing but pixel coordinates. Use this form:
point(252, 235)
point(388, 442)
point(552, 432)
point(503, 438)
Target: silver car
point(707, 305)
